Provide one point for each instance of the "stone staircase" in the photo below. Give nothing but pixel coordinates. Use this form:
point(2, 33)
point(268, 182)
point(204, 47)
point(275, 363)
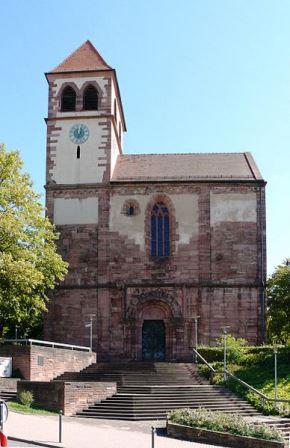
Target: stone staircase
point(153, 402)
point(8, 395)
point(147, 391)
point(138, 374)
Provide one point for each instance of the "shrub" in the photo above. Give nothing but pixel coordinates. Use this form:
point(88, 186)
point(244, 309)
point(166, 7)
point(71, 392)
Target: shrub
point(223, 422)
point(241, 354)
point(26, 398)
point(236, 348)
point(211, 354)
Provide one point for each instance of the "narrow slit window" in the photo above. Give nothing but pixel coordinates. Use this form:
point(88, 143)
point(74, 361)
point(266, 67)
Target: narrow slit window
point(115, 109)
point(130, 211)
point(78, 152)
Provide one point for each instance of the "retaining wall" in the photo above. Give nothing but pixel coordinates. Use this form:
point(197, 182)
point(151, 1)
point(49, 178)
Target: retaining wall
point(218, 438)
point(38, 363)
point(66, 396)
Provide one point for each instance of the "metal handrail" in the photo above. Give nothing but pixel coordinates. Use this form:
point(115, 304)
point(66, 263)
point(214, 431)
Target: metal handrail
point(243, 383)
point(204, 360)
point(47, 343)
point(248, 386)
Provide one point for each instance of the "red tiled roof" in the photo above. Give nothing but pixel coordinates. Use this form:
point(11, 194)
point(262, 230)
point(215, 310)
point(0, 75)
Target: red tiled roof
point(197, 166)
point(85, 58)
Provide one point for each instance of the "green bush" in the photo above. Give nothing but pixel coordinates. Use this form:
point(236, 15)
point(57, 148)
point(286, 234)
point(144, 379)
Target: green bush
point(223, 422)
point(211, 354)
point(236, 350)
point(242, 354)
point(26, 398)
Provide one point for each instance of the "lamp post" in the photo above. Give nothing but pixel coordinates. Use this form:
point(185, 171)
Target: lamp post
point(90, 326)
point(195, 318)
point(275, 372)
point(225, 332)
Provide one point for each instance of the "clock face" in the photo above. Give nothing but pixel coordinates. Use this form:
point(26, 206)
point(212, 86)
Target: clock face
point(79, 133)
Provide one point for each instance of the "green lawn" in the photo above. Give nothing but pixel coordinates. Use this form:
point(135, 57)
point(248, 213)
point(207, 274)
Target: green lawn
point(262, 378)
point(255, 366)
point(18, 407)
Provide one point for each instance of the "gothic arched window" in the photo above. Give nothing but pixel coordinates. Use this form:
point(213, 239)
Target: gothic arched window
point(68, 99)
point(90, 98)
point(160, 234)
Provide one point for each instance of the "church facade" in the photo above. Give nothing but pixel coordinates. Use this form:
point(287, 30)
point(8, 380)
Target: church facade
point(158, 245)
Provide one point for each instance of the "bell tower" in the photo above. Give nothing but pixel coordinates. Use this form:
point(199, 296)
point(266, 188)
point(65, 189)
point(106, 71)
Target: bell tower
point(85, 121)
point(85, 126)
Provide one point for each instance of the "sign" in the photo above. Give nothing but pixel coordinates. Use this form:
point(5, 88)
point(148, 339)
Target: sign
point(5, 367)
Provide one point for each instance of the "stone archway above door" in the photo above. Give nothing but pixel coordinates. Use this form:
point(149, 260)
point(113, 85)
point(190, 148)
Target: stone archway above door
point(156, 298)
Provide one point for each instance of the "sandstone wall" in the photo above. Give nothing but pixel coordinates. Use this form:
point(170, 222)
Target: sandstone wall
point(65, 396)
point(216, 267)
point(38, 363)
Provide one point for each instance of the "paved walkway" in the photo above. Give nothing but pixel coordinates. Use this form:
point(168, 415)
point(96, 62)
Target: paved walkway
point(91, 433)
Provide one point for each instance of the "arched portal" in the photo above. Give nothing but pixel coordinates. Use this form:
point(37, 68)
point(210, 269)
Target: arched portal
point(154, 331)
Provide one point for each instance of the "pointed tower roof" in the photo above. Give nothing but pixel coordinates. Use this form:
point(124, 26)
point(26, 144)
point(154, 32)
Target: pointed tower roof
point(85, 58)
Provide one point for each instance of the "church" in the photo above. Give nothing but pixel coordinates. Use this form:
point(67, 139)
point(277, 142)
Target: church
point(164, 250)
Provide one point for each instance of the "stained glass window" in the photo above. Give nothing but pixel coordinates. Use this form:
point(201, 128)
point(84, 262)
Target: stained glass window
point(160, 235)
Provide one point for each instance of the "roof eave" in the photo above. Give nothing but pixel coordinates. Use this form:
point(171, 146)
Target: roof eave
point(66, 72)
point(211, 180)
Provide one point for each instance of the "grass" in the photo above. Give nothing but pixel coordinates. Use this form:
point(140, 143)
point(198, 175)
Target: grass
point(257, 370)
point(18, 407)
point(261, 377)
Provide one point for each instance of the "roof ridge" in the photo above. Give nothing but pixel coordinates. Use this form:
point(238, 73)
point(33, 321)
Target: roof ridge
point(182, 153)
point(87, 43)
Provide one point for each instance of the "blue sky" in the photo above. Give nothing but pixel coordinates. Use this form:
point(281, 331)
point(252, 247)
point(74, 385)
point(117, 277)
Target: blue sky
point(195, 75)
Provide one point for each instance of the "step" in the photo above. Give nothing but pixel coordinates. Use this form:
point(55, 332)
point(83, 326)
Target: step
point(8, 396)
point(180, 403)
point(139, 416)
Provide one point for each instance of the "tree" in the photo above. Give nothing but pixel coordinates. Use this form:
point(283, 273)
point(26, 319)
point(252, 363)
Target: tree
point(29, 263)
point(278, 297)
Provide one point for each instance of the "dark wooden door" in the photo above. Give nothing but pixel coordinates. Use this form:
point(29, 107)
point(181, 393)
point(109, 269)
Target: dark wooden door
point(153, 340)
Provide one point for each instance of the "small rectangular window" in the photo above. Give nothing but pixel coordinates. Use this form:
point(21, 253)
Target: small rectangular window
point(40, 360)
point(78, 152)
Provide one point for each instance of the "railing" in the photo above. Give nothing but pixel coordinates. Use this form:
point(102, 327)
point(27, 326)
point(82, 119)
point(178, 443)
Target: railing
point(46, 343)
point(203, 360)
point(248, 386)
point(262, 396)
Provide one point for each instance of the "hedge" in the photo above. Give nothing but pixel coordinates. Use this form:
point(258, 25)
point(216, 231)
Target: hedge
point(249, 354)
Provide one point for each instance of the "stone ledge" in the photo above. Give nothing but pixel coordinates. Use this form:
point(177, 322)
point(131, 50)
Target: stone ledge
point(8, 384)
point(218, 438)
point(41, 363)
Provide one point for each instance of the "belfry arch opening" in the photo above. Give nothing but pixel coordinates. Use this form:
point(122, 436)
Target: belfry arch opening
point(68, 99)
point(91, 98)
